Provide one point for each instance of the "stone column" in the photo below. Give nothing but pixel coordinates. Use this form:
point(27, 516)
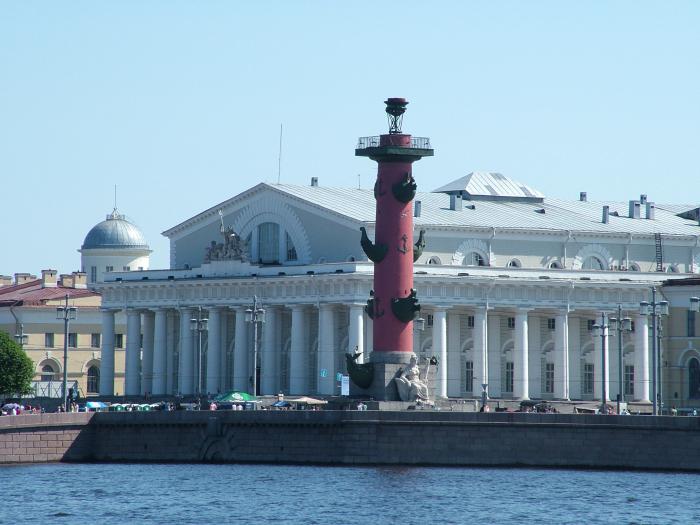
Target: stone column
point(133, 353)
point(641, 359)
point(575, 385)
point(561, 356)
point(369, 347)
point(214, 351)
point(107, 354)
point(147, 357)
point(521, 384)
point(298, 354)
point(171, 320)
point(186, 366)
point(243, 369)
point(481, 355)
point(440, 347)
point(356, 331)
point(224, 380)
point(158, 385)
point(454, 354)
point(326, 335)
point(270, 352)
point(598, 366)
point(493, 323)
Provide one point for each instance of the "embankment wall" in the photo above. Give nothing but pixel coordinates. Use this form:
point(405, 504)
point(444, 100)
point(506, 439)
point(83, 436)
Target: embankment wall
point(370, 438)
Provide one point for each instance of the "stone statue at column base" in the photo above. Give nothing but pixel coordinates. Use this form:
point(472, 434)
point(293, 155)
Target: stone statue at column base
point(410, 385)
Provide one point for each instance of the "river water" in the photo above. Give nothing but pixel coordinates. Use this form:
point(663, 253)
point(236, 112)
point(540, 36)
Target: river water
point(281, 494)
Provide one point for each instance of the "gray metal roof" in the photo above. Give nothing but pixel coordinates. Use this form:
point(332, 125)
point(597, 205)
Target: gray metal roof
point(551, 214)
point(115, 232)
point(490, 185)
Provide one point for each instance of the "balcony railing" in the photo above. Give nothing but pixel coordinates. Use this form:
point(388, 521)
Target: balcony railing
point(373, 142)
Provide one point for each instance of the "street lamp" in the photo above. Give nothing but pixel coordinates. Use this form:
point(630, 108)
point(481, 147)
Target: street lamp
point(67, 313)
point(199, 324)
point(255, 315)
point(620, 325)
point(655, 310)
point(602, 331)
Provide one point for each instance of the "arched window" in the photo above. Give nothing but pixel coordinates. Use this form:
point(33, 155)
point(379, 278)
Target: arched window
point(634, 267)
point(434, 260)
point(694, 379)
point(93, 380)
point(474, 259)
point(269, 243)
point(555, 265)
point(593, 263)
point(672, 268)
point(48, 373)
point(514, 263)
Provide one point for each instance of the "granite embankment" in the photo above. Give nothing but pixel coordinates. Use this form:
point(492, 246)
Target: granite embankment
point(353, 438)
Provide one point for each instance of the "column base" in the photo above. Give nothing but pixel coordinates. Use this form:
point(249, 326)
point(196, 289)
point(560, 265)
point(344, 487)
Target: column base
point(387, 367)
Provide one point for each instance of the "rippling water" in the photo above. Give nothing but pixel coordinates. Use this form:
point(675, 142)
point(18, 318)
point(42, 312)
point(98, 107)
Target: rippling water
point(184, 494)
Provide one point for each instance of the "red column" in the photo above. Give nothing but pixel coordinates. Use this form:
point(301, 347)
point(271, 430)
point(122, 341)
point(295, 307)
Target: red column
point(393, 276)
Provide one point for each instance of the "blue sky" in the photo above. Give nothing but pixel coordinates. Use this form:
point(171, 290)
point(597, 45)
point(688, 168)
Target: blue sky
point(180, 103)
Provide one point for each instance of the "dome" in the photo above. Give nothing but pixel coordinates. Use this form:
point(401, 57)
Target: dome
point(115, 232)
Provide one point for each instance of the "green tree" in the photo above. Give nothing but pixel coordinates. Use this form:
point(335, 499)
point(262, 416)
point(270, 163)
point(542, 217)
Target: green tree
point(16, 369)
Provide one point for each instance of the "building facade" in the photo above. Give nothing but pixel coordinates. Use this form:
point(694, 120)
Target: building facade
point(28, 310)
point(511, 284)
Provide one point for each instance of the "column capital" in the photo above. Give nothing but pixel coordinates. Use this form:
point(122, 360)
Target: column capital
point(298, 306)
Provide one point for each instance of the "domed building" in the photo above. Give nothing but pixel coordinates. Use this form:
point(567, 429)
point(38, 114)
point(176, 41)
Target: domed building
point(113, 245)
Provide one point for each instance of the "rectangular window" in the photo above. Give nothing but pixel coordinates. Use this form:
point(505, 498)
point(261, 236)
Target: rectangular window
point(509, 376)
point(549, 377)
point(691, 323)
point(511, 323)
point(469, 383)
point(588, 378)
point(291, 250)
point(127, 268)
point(429, 320)
point(268, 243)
point(590, 324)
point(94, 340)
point(93, 274)
point(633, 326)
point(470, 321)
point(109, 269)
point(48, 340)
point(73, 340)
point(118, 340)
point(629, 380)
point(551, 323)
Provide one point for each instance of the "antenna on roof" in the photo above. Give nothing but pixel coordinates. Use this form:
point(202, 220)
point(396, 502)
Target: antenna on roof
point(115, 197)
point(279, 158)
point(359, 187)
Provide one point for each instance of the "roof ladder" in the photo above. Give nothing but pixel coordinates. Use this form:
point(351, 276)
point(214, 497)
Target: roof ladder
point(659, 253)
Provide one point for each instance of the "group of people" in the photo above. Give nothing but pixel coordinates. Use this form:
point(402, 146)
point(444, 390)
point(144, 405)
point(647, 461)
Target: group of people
point(15, 409)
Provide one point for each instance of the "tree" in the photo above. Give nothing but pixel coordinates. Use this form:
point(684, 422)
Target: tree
point(16, 369)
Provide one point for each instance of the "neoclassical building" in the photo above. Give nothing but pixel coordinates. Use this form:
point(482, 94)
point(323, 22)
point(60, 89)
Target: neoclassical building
point(511, 284)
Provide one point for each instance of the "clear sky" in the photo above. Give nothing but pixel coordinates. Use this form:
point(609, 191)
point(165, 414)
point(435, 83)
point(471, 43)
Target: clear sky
point(180, 103)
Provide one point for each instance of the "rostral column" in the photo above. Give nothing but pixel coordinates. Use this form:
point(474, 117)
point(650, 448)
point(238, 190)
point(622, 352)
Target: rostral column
point(393, 305)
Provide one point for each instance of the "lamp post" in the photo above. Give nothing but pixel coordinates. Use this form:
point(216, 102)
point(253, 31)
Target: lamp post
point(199, 324)
point(620, 325)
point(602, 331)
point(67, 313)
point(655, 310)
point(255, 315)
